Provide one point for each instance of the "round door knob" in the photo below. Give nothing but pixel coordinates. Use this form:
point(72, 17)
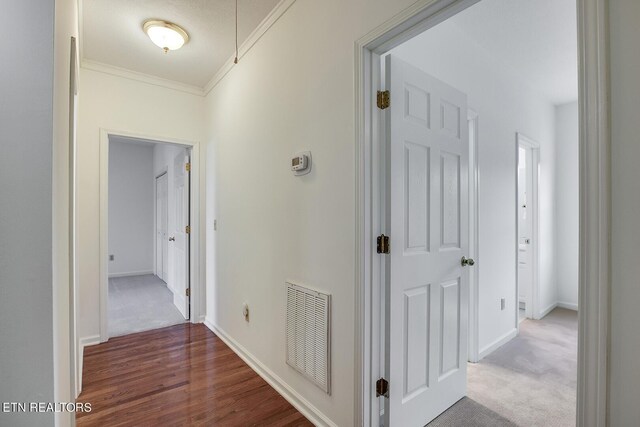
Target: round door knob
point(172, 239)
point(467, 262)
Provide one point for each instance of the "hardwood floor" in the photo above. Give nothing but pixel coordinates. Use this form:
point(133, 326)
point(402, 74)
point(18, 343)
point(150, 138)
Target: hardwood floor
point(182, 375)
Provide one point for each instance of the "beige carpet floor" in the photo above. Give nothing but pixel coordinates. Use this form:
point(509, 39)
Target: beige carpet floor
point(140, 303)
point(529, 382)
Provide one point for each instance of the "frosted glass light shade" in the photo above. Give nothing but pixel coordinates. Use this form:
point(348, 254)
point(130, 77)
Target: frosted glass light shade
point(166, 35)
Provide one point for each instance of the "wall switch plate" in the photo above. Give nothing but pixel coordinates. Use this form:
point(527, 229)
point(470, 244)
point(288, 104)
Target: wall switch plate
point(503, 303)
point(111, 257)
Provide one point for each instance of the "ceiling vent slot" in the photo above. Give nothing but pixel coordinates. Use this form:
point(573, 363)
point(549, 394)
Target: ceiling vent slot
point(308, 334)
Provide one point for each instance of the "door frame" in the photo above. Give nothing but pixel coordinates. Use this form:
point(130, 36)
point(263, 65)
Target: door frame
point(594, 152)
point(473, 351)
point(196, 283)
point(530, 144)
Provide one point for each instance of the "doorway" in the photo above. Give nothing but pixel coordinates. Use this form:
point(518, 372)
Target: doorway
point(143, 296)
point(148, 244)
point(372, 129)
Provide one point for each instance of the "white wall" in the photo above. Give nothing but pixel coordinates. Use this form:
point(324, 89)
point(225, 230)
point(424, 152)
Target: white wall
point(26, 222)
point(163, 157)
point(624, 365)
point(119, 104)
point(567, 204)
point(505, 104)
point(292, 91)
point(131, 209)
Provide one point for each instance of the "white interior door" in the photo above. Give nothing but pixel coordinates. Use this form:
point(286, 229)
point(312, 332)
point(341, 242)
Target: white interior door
point(165, 227)
point(525, 229)
point(427, 287)
point(162, 250)
point(181, 234)
point(158, 229)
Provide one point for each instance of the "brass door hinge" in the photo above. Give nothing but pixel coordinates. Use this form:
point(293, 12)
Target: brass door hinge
point(383, 244)
point(384, 99)
point(382, 388)
point(187, 229)
point(188, 292)
point(187, 166)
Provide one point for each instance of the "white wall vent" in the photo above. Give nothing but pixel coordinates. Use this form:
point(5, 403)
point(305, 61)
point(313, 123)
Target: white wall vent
point(308, 334)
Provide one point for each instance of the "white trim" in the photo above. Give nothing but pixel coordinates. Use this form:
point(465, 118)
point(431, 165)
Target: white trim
point(568, 305)
point(305, 407)
point(73, 235)
point(474, 236)
point(82, 343)
point(253, 38)
point(534, 146)
point(488, 349)
point(104, 234)
point(196, 237)
point(100, 67)
point(547, 310)
point(595, 213)
point(594, 200)
point(131, 273)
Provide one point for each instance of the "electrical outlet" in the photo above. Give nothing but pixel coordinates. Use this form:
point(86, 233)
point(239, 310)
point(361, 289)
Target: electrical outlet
point(112, 257)
point(503, 303)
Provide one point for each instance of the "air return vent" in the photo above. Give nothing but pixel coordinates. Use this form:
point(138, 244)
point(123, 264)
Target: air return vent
point(308, 334)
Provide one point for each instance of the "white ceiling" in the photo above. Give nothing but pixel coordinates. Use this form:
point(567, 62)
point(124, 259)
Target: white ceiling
point(535, 38)
point(112, 34)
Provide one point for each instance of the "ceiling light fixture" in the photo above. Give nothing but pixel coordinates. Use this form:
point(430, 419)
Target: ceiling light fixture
point(166, 35)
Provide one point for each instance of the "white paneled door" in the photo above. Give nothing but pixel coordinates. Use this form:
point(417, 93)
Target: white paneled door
point(181, 233)
point(525, 228)
point(427, 219)
point(162, 221)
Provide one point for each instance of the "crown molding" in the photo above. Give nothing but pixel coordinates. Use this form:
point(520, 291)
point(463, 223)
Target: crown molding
point(253, 38)
point(141, 77)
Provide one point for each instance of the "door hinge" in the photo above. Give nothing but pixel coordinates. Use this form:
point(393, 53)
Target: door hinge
point(188, 292)
point(187, 166)
point(187, 229)
point(383, 99)
point(383, 244)
point(382, 388)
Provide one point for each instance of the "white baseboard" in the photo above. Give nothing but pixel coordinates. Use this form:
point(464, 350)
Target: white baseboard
point(82, 343)
point(131, 273)
point(547, 310)
point(300, 403)
point(487, 350)
point(568, 306)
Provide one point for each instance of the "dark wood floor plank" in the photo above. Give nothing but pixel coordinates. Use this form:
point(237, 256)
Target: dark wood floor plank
point(183, 375)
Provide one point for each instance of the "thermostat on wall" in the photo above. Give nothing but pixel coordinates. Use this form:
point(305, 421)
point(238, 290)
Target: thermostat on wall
point(301, 163)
